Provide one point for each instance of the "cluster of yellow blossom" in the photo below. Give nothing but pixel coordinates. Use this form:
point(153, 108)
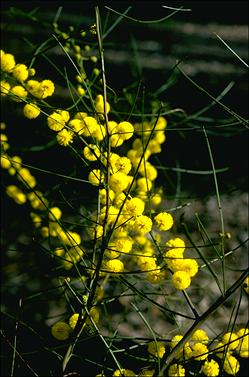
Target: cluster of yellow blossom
point(70, 250)
point(62, 330)
point(17, 85)
point(183, 268)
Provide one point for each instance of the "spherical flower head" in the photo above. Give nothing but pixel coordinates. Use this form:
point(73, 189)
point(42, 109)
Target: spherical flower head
point(99, 133)
point(20, 72)
point(156, 349)
point(54, 214)
point(32, 86)
point(176, 243)
point(147, 170)
point(199, 351)
point(156, 199)
point(122, 164)
point(90, 126)
point(31, 111)
point(156, 277)
point(243, 347)
point(188, 265)
point(80, 115)
point(80, 90)
point(200, 336)
point(73, 320)
point(61, 330)
point(231, 365)
point(16, 194)
point(142, 225)
point(173, 260)
point(114, 265)
point(5, 88)
point(5, 163)
point(96, 177)
point(123, 372)
point(154, 147)
point(144, 184)
point(246, 285)
point(221, 350)
point(163, 221)
point(118, 181)
point(18, 93)
point(159, 137)
point(112, 251)
point(125, 130)
point(64, 114)
point(134, 207)
point(7, 62)
point(210, 368)
point(55, 121)
point(64, 137)
point(25, 176)
point(181, 280)
point(116, 141)
point(230, 340)
point(76, 125)
point(45, 89)
point(175, 340)
point(176, 370)
point(91, 152)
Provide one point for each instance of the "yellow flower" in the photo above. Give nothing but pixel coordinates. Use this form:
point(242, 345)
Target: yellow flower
point(96, 177)
point(45, 89)
point(181, 280)
point(55, 121)
point(5, 88)
point(54, 214)
point(210, 368)
point(76, 125)
point(144, 184)
point(176, 370)
point(64, 137)
point(176, 243)
point(25, 176)
point(5, 163)
point(114, 265)
point(99, 105)
point(122, 164)
point(199, 351)
point(31, 111)
point(134, 207)
point(200, 336)
point(125, 130)
point(91, 152)
point(32, 86)
point(164, 221)
point(230, 339)
point(188, 265)
point(20, 72)
point(246, 284)
point(16, 194)
point(142, 225)
point(61, 330)
point(156, 349)
point(118, 181)
point(18, 93)
point(7, 62)
point(231, 365)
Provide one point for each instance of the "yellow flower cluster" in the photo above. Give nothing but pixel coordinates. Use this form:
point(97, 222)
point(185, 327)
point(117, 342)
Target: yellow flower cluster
point(183, 268)
point(25, 90)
